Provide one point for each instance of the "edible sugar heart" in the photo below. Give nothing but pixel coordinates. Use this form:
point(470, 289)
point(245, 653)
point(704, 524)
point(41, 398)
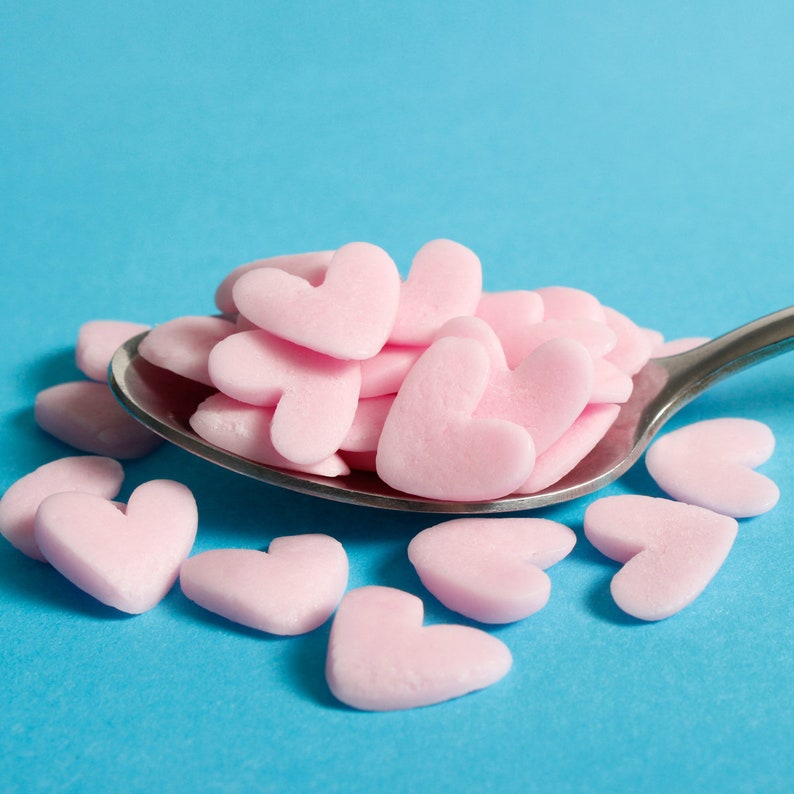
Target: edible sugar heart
point(670, 551)
point(544, 394)
point(85, 473)
point(127, 557)
point(98, 340)
point(710, 463)
point(490, 569)
point(348, 316)
point(511, 315)
point(244, 430)
point(445, 281)
point(432, 446)
point(316, 396)
point(310, 266)
point(381, 657)
point(183, 345)
point(291, 589)
point(86, 415)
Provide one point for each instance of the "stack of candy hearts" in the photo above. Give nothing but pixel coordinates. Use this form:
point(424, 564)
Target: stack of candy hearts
point(328, 361)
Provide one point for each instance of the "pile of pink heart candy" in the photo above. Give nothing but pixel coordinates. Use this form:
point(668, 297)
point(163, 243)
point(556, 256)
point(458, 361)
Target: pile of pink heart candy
point(446, 392)
point(329, 361)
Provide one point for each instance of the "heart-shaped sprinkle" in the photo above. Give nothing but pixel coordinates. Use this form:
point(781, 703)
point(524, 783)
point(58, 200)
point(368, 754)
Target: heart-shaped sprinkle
point(570, 303)
point(385, 372)
point(569, 450)
point(349, 316)
point(316, 396)
point(490, 569)
point(367, 426)
point(511, 315)
point(381, 657)
point(670, 551)
point(244, 430)
point(291, 589)
point(711, 464)
point(127, 557)
point(85, 473)
point(86, 415)
point(432, 446)
point(633, 347)
point(445, 281)
point(183, 345)
point(98, 340)
point(544, 393)
point(310, 266)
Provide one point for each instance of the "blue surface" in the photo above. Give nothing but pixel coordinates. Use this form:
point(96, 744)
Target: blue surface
point(642, 151)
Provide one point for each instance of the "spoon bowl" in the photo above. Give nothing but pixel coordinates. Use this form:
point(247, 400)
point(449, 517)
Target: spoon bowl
point(164, 402)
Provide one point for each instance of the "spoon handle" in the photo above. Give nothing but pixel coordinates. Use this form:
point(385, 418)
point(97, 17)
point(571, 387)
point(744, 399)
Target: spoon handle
point(693, 371)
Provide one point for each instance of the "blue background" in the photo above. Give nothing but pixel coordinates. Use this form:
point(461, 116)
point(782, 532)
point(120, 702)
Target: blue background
point(642, 151)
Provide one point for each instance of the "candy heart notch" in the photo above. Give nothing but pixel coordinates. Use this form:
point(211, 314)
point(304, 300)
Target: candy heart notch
point(445, 281)
point(670, 551)
point(431, 446)
point(127, 557)
point(349, 315)
point(711, 464)
point(291, 589)
point(490, 569)
point(381, 657)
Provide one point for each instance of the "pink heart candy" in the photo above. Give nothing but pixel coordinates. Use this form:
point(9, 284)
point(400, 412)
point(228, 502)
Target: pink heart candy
point(348, 316)
point(127, 557)
point(98, 340)
point(670, 551)
point(570, 303)
point(316, 396)
point(569, 450)
point(85, 473)
point(445, 281)
point(511, 315)
point(310, 266)
point(244, 430)
point(633, 347)
point(710, 463)
point(431, 444)
point(291, 589)
point(183, 345)
point(490, 569)
point(381, 657)
point(86, 415)
point(544, 393)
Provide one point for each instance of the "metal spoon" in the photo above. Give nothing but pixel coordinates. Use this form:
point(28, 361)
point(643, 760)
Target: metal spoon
point(164, 402)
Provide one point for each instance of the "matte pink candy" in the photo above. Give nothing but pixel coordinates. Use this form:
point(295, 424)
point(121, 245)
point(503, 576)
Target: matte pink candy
point(244, 430)
point(385, 372)
point(431, 444)
point(633, 347)
point(711, 464)
point(381, 657)
point(183, 345)
point(511, 315)
point(490, 569)
point(368, 422)
point(86, 473)
point(670, 551)
point(291, 589)
point(569, 450)
point(86, 415)
point(98, 340)
point(310, 266)
point(127, 557)
point(348, 316)
point(570, 303)
point(316, 396)
point(445, 281)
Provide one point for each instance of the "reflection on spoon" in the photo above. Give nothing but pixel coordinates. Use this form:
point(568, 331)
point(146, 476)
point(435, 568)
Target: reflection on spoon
point(164, 402)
